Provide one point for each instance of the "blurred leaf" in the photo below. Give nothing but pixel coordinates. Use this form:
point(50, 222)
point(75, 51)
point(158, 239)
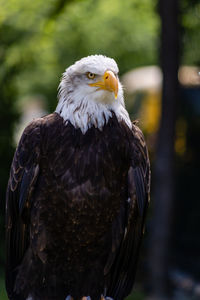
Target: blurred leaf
point(58, 7)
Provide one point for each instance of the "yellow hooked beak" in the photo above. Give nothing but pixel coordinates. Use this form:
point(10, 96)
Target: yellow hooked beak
point(109, 82)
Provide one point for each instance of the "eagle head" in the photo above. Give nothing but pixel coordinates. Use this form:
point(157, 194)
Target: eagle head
point(90, 91)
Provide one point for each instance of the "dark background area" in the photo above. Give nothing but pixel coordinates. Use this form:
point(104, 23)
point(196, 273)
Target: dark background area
point(38, 40)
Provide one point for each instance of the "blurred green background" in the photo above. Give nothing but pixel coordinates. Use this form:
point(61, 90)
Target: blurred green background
point(39, 39)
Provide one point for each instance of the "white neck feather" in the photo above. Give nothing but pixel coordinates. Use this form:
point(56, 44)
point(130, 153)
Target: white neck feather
point(85, 112)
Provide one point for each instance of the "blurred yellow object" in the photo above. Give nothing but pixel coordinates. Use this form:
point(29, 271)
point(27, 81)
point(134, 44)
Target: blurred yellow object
point(180, 141)
point(150, 112)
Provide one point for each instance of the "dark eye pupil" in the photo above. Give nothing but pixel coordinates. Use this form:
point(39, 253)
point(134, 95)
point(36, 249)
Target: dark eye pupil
point(90, 75)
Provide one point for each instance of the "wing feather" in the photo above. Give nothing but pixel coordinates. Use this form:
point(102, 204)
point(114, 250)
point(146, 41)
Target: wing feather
point(23, 175)
point(124, 261)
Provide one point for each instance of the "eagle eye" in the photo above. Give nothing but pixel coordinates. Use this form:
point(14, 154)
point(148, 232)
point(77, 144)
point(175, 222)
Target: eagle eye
point(90, 75)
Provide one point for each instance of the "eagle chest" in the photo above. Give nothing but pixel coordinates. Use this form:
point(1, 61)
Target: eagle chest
point(83, 175)
point(97, 156)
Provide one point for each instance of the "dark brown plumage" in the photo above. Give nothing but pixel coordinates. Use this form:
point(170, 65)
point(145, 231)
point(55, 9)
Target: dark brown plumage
point(75, 210)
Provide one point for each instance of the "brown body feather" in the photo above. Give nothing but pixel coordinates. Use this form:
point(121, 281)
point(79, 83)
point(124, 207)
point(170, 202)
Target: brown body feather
point(75, 210)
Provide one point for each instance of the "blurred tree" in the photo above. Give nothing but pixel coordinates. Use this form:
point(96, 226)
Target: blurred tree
point(163, 189)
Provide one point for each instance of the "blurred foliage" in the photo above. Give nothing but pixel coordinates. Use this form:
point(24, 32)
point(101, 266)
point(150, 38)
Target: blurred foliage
point(190, 22)
point(126, 30)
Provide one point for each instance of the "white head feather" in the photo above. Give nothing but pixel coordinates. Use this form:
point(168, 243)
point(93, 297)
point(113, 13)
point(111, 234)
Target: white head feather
point(85, 106)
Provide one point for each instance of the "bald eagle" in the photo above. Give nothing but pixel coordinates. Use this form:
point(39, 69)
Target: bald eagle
point(78, 193)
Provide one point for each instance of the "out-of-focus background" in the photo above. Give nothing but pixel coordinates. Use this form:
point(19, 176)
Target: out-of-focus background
point(157, 47)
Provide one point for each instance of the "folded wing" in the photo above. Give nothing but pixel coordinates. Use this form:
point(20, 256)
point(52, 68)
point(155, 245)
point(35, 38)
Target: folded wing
point(129, 226)
point(23, 178)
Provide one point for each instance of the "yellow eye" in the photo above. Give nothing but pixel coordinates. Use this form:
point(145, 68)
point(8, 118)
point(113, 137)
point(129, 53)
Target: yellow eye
point(90, 75)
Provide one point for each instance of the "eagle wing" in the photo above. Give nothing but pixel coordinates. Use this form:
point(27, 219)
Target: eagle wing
point(128, 228)
point(23, 176)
